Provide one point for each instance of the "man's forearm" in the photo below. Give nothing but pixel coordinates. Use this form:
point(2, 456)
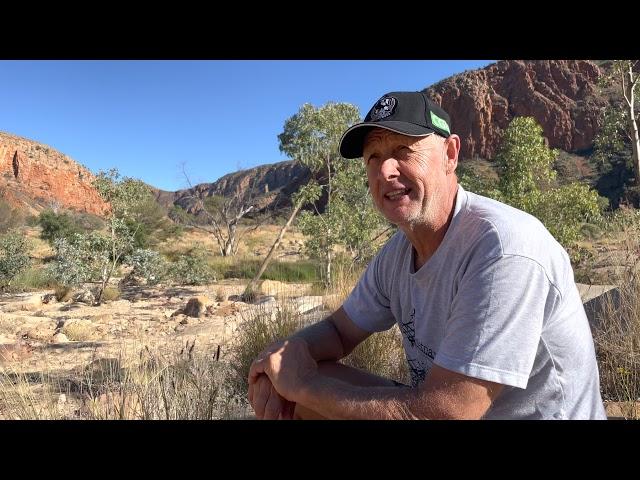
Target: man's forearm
point(335, 399)
point(323, 339)
point(444, 394)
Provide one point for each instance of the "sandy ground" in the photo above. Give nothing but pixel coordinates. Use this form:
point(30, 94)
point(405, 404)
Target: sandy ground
point(59, 339)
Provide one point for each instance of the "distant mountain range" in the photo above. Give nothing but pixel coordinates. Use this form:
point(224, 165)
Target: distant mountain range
point(560, 94)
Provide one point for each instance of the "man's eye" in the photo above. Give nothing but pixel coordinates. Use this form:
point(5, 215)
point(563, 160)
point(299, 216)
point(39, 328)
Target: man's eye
point(403, 151)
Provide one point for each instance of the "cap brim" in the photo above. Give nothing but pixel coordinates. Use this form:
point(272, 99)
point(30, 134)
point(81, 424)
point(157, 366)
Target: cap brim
point(352, 141)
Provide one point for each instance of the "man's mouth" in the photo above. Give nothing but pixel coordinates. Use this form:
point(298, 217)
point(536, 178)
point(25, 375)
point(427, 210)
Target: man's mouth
point(396, 194)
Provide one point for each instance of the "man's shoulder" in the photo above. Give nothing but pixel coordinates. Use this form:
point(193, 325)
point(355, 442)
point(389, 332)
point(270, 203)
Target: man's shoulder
point(507, 222)
point(513, 231)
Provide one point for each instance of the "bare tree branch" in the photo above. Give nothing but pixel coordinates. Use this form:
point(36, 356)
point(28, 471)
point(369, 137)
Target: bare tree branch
point(223, 214)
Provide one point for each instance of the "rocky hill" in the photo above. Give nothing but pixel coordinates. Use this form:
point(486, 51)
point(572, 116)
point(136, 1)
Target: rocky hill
point(271, 185)
point(560, 94)
point(34, 176)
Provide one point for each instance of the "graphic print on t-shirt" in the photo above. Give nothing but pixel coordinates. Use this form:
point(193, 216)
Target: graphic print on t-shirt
point(418, 367)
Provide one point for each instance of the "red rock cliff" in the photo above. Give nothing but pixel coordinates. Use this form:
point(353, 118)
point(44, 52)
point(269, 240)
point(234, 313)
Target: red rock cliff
point(559, 94)
point(35, 175)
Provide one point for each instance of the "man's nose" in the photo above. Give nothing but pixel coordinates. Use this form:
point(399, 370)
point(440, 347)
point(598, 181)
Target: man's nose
point(389, 168)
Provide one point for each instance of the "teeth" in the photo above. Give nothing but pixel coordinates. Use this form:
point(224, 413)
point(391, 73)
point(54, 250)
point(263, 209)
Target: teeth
point(395, 194)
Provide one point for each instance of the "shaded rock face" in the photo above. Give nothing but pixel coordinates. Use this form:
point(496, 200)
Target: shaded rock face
point(559, 94)
point(33, 174)
point(272, 187)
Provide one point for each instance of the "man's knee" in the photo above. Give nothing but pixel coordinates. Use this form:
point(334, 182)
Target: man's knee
point(303, 413)
point(354, 376)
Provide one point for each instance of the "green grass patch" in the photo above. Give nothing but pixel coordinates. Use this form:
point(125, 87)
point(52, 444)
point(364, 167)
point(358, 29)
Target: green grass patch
point(237, 267)
point(34, 278)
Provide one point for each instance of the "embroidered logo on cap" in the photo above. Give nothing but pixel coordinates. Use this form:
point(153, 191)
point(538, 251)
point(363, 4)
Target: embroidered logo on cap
point(439, 122)
point(383, 108)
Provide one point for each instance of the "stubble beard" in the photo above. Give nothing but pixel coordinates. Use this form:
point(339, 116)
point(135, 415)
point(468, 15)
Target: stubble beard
point(427, 215)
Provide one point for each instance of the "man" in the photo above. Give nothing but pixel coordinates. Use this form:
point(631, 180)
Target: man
point(492, 323)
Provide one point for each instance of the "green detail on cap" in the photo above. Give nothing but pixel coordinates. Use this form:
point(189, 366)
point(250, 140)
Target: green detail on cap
point(439, 122)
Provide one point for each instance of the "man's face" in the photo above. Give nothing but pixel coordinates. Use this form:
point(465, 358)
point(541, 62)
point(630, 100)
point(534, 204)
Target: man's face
point(407, 176)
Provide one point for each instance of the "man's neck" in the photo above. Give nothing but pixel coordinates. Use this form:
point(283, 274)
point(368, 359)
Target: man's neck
point(426, 238)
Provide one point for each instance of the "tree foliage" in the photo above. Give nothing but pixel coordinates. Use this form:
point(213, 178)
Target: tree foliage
point(94, 256)
point(221, 216)
point(350, 221)
point(54, 225)
point(618, 141)
point(148, 265)
point(527, 182)
point(78, 259)
point(312, 136)
point(524, 162)
point(150, 223)
point(192, 268)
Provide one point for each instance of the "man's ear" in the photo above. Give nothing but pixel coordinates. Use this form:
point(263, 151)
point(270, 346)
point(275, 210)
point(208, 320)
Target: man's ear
point(452, 150)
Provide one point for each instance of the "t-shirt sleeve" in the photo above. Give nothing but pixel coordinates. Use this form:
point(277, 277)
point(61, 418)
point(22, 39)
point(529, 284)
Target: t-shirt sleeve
point(495, 325)
point(368, 305)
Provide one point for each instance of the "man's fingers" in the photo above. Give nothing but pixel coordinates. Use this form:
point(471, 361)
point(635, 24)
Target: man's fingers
point(250, 394)
point(261, 396)
point(257, 368)
point(274, 406)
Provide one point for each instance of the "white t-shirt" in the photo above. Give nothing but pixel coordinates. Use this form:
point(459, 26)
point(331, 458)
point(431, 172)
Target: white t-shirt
point(496, 301)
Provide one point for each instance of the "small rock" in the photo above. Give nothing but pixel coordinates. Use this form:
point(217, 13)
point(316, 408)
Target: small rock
point(84, 296)
point(60, 338)
point(49, 298)
point(307, 303)
point(42, 332)
point(15, 351)
point(197, 306)
point(34, 300)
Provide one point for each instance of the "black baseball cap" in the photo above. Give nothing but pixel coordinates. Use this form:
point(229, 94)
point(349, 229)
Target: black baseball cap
point(408, 113)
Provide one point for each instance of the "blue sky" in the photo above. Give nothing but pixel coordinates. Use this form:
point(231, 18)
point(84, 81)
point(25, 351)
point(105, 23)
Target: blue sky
point(148, 118)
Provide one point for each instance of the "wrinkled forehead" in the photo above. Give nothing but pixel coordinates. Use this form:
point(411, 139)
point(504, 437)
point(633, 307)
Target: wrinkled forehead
point(382, 135)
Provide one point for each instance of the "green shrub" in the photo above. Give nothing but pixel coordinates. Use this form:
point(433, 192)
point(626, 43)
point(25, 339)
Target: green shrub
point(150, 225)
point(148, 265)
point(72, 264)
point(192, 268)
point(14, 256)
point(56, 225)
point(527, 181)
